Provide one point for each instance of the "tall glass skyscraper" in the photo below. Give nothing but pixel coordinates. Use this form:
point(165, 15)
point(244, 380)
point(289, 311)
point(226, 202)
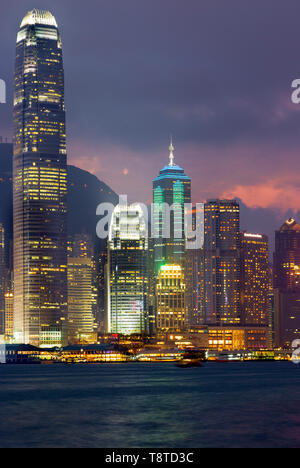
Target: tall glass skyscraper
point(254, 279)
point(127, 271)
point(171, 189)
point(2, 280)
point(170, 292)
point(81, 323)
point(222, 262)
point(40, 183)
point(286, 283)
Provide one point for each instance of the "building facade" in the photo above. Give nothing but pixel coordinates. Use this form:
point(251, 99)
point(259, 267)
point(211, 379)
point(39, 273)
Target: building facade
point(2, 280)
point(127, 283)
point(286, 283)
point(254, 283)
point(81, 320)
point(171, 190)
point(170, 296)
point(40, 183)
point(194, 269)
point(9, 316)
point(221, 263)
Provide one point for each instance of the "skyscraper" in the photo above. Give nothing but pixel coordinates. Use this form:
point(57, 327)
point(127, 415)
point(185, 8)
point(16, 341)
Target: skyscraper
point(9, 315)
point(127, 271)
point(254, 284)
point(286, 283)
point(171, 189)
point(194, 273)
point(81, 323)
point(2, 280)
point(170, 293)
point(40, 183)
point(221, 257)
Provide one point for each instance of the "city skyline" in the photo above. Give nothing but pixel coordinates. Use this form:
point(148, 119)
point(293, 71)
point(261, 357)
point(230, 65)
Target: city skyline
point(158, 242)
point(135, 289)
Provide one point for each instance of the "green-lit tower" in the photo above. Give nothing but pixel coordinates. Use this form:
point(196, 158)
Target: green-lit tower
point(171, 190)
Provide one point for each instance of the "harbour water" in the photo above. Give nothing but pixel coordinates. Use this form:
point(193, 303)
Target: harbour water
point(250, 404)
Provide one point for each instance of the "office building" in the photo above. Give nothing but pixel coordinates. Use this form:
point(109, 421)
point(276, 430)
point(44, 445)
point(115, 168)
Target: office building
point(2, 280)
point(40, 184)
point(170, 296)
point(286, 283)
point(194, 270)
point(221, 263)
point(171, 190)
point(9, 316)
point(254, 283)
point(127, 283)
point(81, 320)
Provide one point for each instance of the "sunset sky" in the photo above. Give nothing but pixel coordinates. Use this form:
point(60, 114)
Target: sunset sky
point(215, 74)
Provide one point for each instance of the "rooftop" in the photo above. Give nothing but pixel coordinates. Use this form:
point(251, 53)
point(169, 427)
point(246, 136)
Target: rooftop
point(172, 170)
point(290, 225)
point(36, 16)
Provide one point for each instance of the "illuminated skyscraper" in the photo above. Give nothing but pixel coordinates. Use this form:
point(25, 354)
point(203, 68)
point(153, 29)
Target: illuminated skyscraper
point(170, 294)
point(172, 188)
point(286, 283)
point(9, 315)
point(2, 279)
point(254, 279)
point(221, 268)
point(81, 323)
point(127, 271)
point(194, 272)
point(40, 183)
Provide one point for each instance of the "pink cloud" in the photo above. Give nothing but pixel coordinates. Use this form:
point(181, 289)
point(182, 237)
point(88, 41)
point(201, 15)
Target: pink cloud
point(276, 193)
point(260, 175)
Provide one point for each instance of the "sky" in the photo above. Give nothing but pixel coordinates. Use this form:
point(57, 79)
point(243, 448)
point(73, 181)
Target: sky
point(216, 75)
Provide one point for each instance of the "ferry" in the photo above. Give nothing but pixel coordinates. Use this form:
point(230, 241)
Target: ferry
point(192, 358)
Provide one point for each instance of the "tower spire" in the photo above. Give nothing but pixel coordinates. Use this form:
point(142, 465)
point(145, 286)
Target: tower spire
point(171, 148)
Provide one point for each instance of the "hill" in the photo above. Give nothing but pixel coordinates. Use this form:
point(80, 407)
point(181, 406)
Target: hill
point(85, 192)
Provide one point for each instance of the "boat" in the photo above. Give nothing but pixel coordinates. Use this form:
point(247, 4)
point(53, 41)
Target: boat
point(192, 358)
point(189, 363)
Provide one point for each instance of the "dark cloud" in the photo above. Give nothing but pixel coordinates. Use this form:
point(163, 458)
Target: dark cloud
point(216, 74)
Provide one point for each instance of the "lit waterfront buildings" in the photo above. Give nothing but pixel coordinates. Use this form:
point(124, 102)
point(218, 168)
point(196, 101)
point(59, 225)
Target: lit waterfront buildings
point(286, 283)
point(222, 264)
point(254, 284)
point(127, 271)
point(170, 299)
point(40, 183)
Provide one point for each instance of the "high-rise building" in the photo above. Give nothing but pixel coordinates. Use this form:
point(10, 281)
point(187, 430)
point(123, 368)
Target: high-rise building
point(170, 294)
point(81, 321)
point(254, 283)
point(194, 279)
point(194, 271)
point(152, 286)
point(101, 262)
point(171, 190)
point(222, 263)
point(2, 280)
point(40, 183)
point(286, 283)
point(127, 271)
point(9, 315)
